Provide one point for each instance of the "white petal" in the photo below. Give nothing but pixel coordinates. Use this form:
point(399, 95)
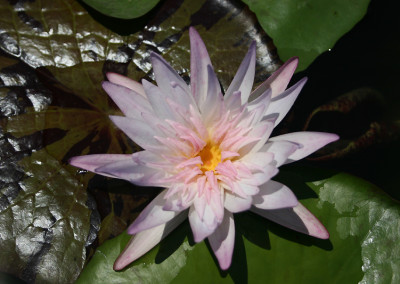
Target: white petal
point(174, 203)
point(126, 82)
point(262, 132)
point(92, 162)
point(152, 216)
point(202, 228)
point(281, 150)
point(199, 60)
point(157, 99)
point(281, 104)
point(235, 204)
point(211, 109)
point(244, 78)
point(274, 195)
point(257, 160)
point(165, 74)
point(137, 130)
point(144, 241)
point(262, 177)
point(222, 241)
point(124, 169)
point(309, 142)
point(297, 218)
point(130, 102)
point(279, 80)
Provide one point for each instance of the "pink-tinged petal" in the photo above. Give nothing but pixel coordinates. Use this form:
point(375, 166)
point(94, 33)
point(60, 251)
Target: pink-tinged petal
point(147, 158)
point(152, 216)
point(131, 171)
point(234, 101)
point(257, 160)
point(263, 99)
point(279, 80)
point(126, 82)
point(211, 109)
point(234, 203)
point(282, 104)
point(199, 60)
point(137, 130)
point(297, 218)
point(256, 111)
point(180, 100)
point(216, 196)
point(204, 227)
point(309, 142)
point(274, 195)
point(261, 132)
point(260, 178)
point(157, 99)
point(92, 162)
point(144, 241)
point(228, 154)
point(244, 78)
point(281, 150)
point(165, 74)
point(200, 202)
point(248, 189)
point(175, 203)
point(222, 241)
point(130, 103)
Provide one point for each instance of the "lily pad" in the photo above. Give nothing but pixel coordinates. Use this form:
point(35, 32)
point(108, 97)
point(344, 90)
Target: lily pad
point(306, 28)
point(362, 220)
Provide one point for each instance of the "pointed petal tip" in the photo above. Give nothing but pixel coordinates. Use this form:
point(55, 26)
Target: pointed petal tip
point(334, 137)
point(302, 81)
point(74, 161)
point(293, 60)
point(154, 55)
point(323, 235)
point(132, 230)
point(193, 31)
point(110, 75)
point(225, 263)
point(106, 85)
point(120, 263)
point(253, 47)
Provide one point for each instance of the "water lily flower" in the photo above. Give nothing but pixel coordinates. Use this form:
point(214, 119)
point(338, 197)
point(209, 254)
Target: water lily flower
point(212, 153)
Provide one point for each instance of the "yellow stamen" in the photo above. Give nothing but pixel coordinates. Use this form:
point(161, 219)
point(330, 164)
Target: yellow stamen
point(210, 156)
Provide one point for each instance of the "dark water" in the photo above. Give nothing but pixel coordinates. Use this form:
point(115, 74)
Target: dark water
point(367, 56)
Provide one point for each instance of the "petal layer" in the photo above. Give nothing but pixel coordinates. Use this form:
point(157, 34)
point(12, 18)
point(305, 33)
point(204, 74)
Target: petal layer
point(297, 218)
point(152, 216)
point(222, 241)
point(144, 241)
point(309, 142)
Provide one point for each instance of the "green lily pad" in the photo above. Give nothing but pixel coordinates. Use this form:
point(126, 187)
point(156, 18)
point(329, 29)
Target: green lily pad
point(362, 220)
point(123, 9)
point(306, 28)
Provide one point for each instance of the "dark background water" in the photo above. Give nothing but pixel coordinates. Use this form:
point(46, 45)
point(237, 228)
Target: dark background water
point(367, 56)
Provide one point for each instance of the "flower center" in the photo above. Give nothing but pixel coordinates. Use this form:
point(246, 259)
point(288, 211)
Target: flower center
point(210, 156)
